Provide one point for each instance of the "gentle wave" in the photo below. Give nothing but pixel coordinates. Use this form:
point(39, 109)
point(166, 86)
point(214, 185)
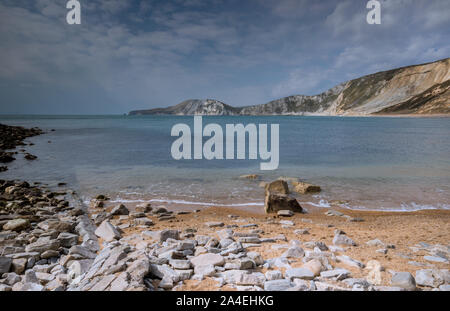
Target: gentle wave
point(404, 207)
point(322, 203)
point(183, 202)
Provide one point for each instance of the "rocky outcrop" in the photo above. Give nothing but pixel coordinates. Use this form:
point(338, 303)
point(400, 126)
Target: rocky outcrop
point(10, 138)
point(419, 89)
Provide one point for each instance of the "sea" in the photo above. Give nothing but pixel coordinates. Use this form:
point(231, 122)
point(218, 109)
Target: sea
point(361, 163)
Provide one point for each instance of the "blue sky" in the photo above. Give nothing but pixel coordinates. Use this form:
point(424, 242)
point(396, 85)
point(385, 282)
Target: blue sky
point(140, 54)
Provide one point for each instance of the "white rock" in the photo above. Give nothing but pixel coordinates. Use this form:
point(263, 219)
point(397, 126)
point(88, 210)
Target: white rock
point(107, 232)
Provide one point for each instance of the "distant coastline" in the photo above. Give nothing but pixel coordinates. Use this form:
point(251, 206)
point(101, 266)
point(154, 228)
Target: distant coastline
point(422, 90)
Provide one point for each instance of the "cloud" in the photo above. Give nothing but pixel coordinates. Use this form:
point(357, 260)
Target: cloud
point(140, 54)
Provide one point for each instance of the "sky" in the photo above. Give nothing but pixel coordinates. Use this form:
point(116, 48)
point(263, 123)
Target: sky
point(140, 54)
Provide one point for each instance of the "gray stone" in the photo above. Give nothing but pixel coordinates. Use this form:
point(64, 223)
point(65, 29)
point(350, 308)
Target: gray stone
point(341, 239)
point(103, 283)
point(214, 224)
point(277, 285)
point(256, 257)
point(403, 280)
point(107, 232)
point(272, 275)
point(120, 210)
point(11, 278)
point(445, 288)
point(121, 283)
point(208, 259)
point(350, 262)
point(5, 264)
point(255, 278)
point(49, 254)
point(143, 221)
point(299, 273)
point(41, 246)
point(169, 234)
point(17, 224)
point(180, 264)
point(206, 270)
point(30, 277)
point(27, 287)
point(435, 259)
point(18, 265)
point(425, 277)
point(82, 251)
point(67, 239)
point(44, 278)
point(294, 252)
point(336, 273)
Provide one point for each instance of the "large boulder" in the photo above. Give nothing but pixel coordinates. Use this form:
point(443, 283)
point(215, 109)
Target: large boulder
point(304, 188)
point(275, 202)
point(277, 186)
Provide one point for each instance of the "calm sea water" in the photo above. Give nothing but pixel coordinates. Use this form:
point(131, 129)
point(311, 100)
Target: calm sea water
point(367, 163)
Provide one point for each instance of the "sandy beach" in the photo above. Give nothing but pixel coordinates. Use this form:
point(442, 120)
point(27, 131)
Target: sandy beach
point(404, 231)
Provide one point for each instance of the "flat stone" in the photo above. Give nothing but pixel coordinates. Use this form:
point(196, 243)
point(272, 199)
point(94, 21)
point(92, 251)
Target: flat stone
point(403, 280)
point(214, 224)
point(67, 239)
point(28, 287)
point(350, 261)
point(255, 278)
point(49, 254)
point(208, 259)
point(277, 285)
point(272, 275)
point(180, 264)
point(42, 246)
point(82, 251)
point(17, 224)
point(103, 283)
point(435, 259)
point(294, 252)
point(341, 239)
point(107, 232)
point(425, 277)
point(206, 270)
point(299, 273)
point(285, 213)
point(336, 273)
